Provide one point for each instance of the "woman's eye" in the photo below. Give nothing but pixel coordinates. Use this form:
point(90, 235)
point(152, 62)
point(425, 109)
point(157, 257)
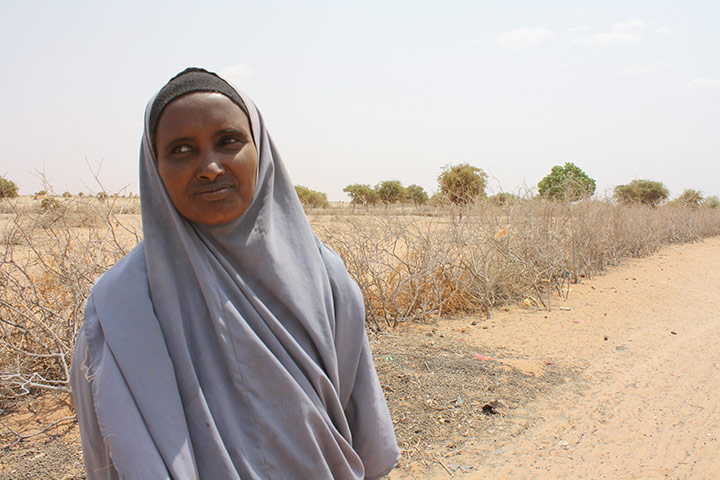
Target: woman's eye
point(229, 141)
point(181, 149)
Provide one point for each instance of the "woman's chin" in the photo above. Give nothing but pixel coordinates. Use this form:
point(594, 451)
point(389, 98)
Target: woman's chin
point(216, 210)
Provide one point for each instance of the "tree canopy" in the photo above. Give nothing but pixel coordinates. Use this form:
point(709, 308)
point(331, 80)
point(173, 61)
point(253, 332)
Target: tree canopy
point(416, 194)
point(691, 198)
point(311, 198)
point(390, 191)
point(463, 183)
point(646, 192)
point(361, 194)
point(8, 188)
point(566, 183)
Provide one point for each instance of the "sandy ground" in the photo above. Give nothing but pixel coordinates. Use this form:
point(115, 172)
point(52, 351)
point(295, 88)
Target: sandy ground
point(618, 381)
point(647, 336)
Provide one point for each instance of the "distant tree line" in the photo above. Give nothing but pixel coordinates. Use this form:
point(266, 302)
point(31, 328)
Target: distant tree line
point(464, 184)
point(387, 192)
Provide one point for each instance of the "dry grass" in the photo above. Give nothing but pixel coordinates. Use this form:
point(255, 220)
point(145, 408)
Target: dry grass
point(417, 264)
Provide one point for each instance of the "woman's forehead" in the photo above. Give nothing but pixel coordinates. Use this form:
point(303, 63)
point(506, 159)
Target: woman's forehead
point(204, 101)
point(201, 110)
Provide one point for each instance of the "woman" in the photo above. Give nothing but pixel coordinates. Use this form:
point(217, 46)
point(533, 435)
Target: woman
point(230, 343)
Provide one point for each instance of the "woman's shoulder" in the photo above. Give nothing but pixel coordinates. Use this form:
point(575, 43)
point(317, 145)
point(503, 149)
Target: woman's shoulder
point(120, 300)
point(122, 283)
point(333, 261)
point(124, 274)
point(334, 264)
point(344, 287)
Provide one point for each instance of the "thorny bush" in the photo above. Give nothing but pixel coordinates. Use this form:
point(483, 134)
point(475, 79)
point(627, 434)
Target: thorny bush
point(417, 265)
point(442, 261)
point(49, 260)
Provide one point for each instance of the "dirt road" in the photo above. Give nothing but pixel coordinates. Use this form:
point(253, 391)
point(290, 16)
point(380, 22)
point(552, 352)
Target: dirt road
point(647, 338)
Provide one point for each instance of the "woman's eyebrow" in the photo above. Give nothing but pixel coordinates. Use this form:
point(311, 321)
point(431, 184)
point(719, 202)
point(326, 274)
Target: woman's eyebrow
point(180, 139)
point(229, 130)
point(240, 132)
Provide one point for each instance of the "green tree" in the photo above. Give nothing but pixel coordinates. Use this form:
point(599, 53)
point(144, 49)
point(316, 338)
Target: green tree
point(311, 198)
point(8, 188)
point(416, 194)
point(690, 198)
point(462, 183)
point(390, 191)
point(566, 183)
point(646, 192)
point(361, 194)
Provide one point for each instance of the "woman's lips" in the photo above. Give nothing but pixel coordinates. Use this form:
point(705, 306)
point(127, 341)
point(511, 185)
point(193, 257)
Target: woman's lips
point(213, 192)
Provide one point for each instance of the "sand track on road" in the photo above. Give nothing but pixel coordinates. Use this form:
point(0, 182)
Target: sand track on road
point(648, 402)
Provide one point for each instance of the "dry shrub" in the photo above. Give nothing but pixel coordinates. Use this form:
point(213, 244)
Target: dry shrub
point(474, 259)
point(50, 259)
point(411, 263)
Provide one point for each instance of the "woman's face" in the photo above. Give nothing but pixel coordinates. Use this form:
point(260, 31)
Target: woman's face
point(206, 157)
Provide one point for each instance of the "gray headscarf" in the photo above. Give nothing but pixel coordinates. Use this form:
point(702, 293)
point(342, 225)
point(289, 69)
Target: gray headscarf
point(230, 351)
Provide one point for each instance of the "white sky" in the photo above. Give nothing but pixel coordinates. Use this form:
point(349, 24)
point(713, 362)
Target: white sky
point(376, 90)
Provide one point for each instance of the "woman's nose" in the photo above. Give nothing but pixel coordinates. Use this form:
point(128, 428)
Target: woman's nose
point(210, 168)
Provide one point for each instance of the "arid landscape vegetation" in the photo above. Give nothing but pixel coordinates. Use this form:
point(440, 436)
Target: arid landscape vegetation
point(435, 276)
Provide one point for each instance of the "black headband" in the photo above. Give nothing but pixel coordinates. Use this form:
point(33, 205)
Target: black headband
point(191, 80)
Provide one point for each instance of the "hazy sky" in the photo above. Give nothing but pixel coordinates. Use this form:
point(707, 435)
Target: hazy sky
point(375, 90)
